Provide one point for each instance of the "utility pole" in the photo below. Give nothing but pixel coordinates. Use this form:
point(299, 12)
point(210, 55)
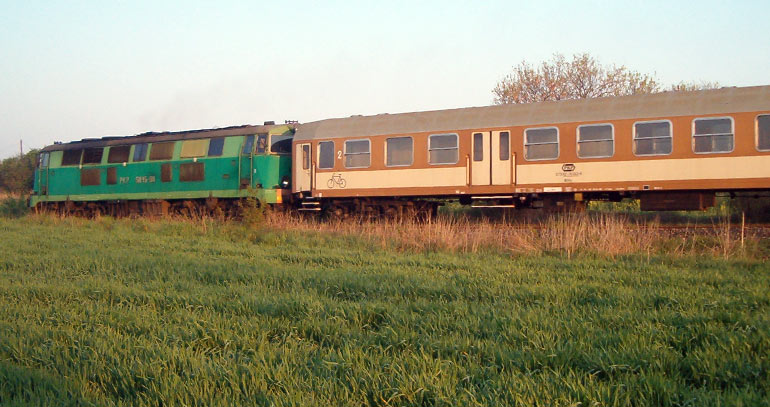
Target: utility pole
point(21, 148)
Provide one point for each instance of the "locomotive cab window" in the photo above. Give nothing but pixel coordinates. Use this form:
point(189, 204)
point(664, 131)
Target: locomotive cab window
point(399, 151)
point(93, 155)
point(443, 149)
point(541, 144)
point(261, 144)
point(71, 157)
point(43, 160)
point(248, 145)
point(140, 152)
point(118, 154)
point(712, 135)
point(326, 155)
point(652, 138)
point(161, 151)
point(216, 145)
point(763, 132)
point(595, 141)
point(194, 148)
point(281, 143)
point(357, 154)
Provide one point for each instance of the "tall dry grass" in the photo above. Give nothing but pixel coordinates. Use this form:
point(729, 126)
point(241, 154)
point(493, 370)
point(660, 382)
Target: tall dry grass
point(569, 234)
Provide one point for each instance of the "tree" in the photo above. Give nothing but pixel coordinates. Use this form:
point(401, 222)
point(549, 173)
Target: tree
point(17, 174)
point(690, 86)
point(582, 77)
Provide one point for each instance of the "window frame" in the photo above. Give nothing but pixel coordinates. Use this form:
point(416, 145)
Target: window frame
point(756, 132)
point(145, 149)
point(191, 144)
point(262, 144)
point(411, 157)
point(507, 155)
point(692, 137)
point(334, 155)
point(577, 140)
point(306, 156)
point(213, 142)
point(345, 152)
point(457, 147)
point(478, 148)
point(44, 160)
point(152, 147)
point(558, 143)
point(65, 153)
point(110, 154)
point(247, 147)
point(670, 136)
point(92, 162)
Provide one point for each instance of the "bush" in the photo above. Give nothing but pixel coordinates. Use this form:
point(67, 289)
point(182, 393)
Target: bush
point(252, 212)
point(13, 207)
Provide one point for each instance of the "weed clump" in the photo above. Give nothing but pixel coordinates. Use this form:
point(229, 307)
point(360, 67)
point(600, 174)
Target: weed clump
point(252, 212)
point(14, 207)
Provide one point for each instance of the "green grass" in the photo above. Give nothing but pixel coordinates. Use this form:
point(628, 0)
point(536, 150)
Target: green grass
point(158, 313)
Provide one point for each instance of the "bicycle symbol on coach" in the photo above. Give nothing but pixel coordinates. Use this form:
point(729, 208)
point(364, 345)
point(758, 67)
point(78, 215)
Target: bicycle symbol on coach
point(336, 179)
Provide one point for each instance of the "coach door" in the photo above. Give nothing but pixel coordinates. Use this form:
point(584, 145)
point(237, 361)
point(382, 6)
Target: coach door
point(491, 161)
point(500, 158)
point(302, 168)
point(481, 170)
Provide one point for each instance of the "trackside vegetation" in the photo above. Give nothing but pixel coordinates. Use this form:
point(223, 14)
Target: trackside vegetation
point(200, 313)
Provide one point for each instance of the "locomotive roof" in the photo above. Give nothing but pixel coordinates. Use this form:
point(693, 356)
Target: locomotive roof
point(666, 104)
point(154, 137)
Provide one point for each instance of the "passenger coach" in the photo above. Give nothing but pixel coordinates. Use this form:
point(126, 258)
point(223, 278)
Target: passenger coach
point(672, 150)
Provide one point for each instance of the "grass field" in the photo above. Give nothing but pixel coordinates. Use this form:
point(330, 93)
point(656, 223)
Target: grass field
point(145, 313)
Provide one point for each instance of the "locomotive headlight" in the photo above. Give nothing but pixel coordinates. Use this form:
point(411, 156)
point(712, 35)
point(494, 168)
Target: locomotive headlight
point(285, 182)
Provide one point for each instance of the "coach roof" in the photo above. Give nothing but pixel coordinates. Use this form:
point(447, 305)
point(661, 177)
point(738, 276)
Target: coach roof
point(666, 104)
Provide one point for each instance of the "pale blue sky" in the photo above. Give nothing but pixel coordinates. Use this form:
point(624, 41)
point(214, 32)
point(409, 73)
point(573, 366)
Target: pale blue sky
point(77, 69)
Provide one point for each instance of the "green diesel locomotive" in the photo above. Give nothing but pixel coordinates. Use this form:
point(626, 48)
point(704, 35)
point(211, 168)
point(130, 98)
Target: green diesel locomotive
point(189, 172)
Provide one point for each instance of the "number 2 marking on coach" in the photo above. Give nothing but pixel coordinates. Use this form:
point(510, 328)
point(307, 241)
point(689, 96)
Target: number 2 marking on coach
point(339, 155)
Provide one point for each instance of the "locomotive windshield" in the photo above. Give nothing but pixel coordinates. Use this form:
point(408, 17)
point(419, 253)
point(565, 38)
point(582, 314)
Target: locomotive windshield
point(280, 143)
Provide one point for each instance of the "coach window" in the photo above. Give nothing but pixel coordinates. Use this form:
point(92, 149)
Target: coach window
point(306, 157)
point(161, 151)
point(118, 154)
point(712, 135)
point(194, 148)
point(595, 141)
point(442, 149)
point(541, 144)
point(505, 146)
point(140, 152)
point(357, 154)
point(215, 147)
point(763, 132)
point(652, 138)
point(478, 146)
point(399, 151)
point(71, 157)
point(93, 155)
point(326, 155)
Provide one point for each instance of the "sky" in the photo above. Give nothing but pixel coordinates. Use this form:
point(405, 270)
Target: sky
point(80, 69)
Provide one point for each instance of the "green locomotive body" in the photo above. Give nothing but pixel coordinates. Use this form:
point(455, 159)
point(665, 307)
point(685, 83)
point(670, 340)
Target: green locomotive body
point(158, 173)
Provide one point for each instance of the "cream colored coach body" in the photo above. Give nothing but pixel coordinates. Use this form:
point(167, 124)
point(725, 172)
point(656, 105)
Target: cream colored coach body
point(682, 169)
